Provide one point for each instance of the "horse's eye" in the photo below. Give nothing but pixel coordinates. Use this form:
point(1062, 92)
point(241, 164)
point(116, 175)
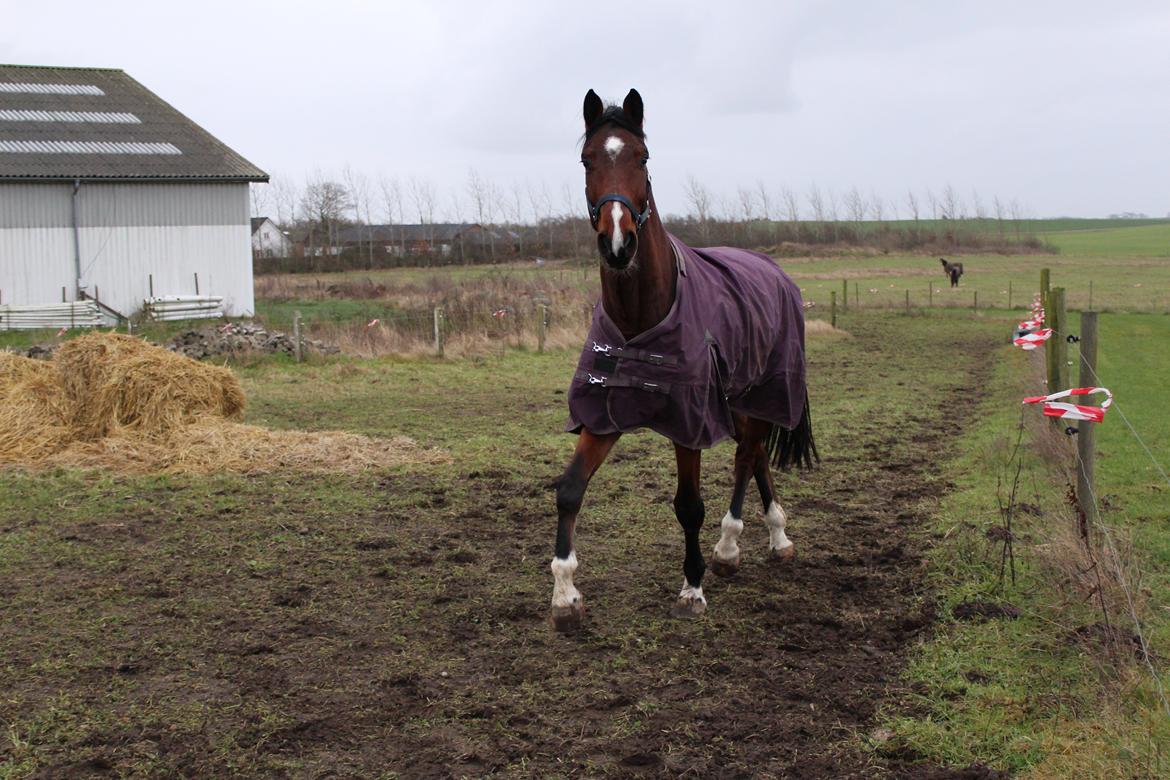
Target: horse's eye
point(585, 163)
point(645, 160)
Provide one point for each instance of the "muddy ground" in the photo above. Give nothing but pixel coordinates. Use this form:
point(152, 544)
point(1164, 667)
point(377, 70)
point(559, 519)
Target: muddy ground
point(289, 628)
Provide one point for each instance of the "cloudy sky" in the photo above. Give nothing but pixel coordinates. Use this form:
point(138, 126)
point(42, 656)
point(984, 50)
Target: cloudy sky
point(1063, 107)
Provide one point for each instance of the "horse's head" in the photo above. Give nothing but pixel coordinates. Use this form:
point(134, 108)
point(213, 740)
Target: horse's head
point(617, 185)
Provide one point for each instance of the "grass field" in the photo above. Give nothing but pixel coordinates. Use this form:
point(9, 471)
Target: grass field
point(1038, 695)
point(290, 626)
point(395, 623)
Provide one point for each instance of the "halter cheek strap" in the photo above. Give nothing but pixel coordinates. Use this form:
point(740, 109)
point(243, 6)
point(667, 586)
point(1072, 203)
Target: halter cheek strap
point(640, 217)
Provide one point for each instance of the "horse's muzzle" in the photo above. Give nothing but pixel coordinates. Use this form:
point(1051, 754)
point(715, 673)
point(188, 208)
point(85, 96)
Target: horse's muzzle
point(621, 259)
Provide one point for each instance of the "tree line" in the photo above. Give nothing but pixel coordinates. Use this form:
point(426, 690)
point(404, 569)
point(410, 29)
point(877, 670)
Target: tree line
point(526, 220)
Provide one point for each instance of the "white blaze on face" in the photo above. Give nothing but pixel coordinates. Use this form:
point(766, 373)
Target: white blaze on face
point(564, 594)
point(616, 213)
point(613, 147)
point(775, 519)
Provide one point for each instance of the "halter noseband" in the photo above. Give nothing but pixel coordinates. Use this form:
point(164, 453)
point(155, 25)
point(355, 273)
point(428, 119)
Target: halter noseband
point(639, 217)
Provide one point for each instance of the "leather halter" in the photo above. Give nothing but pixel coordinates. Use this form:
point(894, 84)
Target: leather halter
point(639, 217)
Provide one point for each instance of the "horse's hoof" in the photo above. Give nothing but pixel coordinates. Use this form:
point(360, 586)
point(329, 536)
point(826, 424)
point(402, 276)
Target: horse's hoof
point(784, 554)
point(567, 620)
point(687, 608)
point(724, 568)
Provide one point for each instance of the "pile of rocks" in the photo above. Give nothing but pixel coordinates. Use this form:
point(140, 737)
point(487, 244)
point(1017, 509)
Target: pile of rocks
point(236, 338)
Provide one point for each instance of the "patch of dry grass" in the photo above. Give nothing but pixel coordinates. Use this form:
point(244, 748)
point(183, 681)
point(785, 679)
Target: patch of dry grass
point(109, 401)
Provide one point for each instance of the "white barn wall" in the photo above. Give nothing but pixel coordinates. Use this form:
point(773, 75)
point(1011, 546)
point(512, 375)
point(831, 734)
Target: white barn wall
point(128, 232)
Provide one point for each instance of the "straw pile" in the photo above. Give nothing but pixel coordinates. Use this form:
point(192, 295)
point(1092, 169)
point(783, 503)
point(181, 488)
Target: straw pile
point(114, 402)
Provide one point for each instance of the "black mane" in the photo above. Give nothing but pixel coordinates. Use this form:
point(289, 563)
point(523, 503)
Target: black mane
point(613, 115)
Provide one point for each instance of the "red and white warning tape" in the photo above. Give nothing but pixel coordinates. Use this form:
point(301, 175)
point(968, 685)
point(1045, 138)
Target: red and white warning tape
point(1032, 340)
point(1052, 408)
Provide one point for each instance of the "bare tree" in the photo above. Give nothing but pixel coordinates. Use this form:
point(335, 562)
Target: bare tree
point(912, 202)
point(877, 208)
point(933, 201)
point(997, 204)
point(1017, 213)
point(834, 215)
point(514, 204)
point(359, 196)
point(977, 206)
point(457, 218)
point(767, 205)
point(950, 203)
point(541, 205)
point(422, 196)
point(392, 205)
point(284, 197)
point(791, 204)
point(700, 199)
point(855, 205)
point(323, 205)
point(479, 192)
point(259, 196)
point(816, 202)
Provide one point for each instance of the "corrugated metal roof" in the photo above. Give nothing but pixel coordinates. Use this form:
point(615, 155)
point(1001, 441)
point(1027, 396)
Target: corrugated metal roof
point(90, 123)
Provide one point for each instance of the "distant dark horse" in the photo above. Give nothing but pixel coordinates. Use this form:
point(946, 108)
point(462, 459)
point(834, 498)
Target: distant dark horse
point(953, 270)
point(698, 345)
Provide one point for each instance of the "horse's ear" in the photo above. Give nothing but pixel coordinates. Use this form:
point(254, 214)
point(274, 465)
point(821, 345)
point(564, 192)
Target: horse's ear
point(593, 108)
point(632, 107)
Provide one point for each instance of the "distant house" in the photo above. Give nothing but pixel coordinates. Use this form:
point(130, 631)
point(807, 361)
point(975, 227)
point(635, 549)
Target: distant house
point(443, 238)
point(268, 240)
point(107, 191)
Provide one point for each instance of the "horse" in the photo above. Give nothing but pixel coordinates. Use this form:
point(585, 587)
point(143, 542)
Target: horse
point(697, 345)
point(953, 270)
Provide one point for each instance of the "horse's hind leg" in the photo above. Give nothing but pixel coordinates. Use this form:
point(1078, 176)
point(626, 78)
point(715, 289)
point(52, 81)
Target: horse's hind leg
point(688, 508)
point(780, 547)
point(568, 607)
point(750, 450)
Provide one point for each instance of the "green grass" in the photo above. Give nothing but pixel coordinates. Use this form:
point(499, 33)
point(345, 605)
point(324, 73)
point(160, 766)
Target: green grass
point(1022, 695)
point(1124, 240)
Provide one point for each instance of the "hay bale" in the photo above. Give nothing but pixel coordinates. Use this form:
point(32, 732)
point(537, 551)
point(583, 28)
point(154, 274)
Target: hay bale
point(114, 381)
point(33, 410)
point(116, 403)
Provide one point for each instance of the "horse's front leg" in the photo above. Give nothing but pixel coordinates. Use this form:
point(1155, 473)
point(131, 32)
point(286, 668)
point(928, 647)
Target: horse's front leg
point(568, 608)
point(688, 508)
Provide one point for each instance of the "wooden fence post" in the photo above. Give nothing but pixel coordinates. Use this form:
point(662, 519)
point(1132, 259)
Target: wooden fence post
point(298, 347)
point(856, 295)
point(1044, 287)
point(975, 301)
point(844, 295)
point(1087, 377)
point(907, 301)
point(1091, 298)
point(542, 327)
point(1057, 347)
point(930, 294)
point(439, 331)
point(1009, 294)
point(833, 308)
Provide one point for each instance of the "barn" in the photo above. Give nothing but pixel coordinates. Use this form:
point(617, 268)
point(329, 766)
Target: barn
point(108, 193)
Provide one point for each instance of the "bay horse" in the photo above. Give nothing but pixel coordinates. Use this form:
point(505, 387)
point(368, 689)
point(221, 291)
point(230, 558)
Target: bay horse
point(697, 345)
point(953, 270)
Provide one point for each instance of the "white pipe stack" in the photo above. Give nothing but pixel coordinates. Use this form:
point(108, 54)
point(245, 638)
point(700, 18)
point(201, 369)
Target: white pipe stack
point(184, 307)
point(77, 314)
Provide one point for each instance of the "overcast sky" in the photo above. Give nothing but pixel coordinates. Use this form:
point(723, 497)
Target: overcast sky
point(1063, 106)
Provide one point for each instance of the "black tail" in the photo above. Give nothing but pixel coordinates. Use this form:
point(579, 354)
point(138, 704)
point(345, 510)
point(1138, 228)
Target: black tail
point(796, 447)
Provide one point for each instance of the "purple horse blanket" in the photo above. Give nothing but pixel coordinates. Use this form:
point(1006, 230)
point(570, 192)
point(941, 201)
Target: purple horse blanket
point(733, 341)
